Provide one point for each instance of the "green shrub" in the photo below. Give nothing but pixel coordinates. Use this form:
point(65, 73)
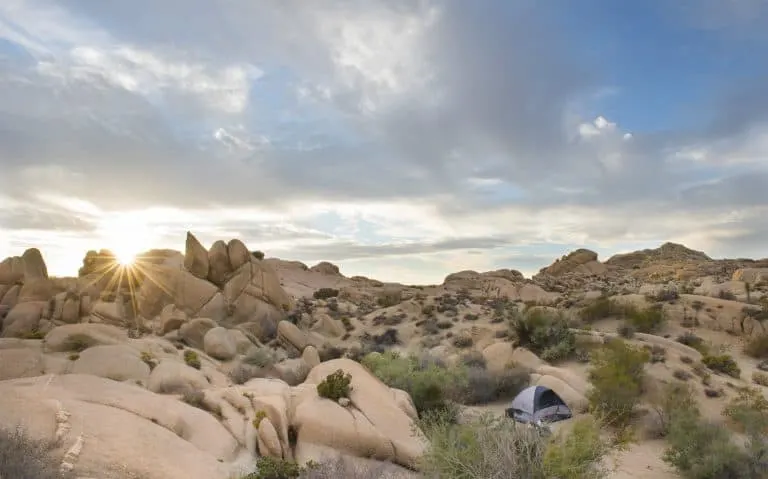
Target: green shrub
point(702, 450)
point(646, 320)
point(693, 341)
point(722, 363)
point(192, 359)
point(576, 455)
point(493, 447)
point(335, 386)
point(325, 293)
point(545, 333)
point(258, 254)
point(600, 308)
point(757, 346)
point(429, 382)
point(260, 416)
point(268, 467)
point(484, 386)
point(617, 376)
point(387, 299)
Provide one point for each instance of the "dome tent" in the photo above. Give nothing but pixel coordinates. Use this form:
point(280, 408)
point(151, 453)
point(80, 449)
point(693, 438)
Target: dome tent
point(538, 404)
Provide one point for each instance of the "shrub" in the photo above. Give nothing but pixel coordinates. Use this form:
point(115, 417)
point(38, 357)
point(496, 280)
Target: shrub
point(722, 363)
point(389, 298)
point(335, 386)
point(260, 416)
point(693, 341)
point(626, 331)
point(268, 467)
point(429, 382)
point(341, 468)
point(78, 343)
point(702, 450)
point(757, 347)
point(325, 293)
point(670, 400)
point(22, 457)
point(192, 359)
point(546, 334)
point(600, 308)
point(495, 448)
point(617, 375)
point(749, 410)
point(258, 254)
point(259, 357)
point(484, 386)
point(474, 359)
point(646, 320)
point(462, 341)
point(760, 378)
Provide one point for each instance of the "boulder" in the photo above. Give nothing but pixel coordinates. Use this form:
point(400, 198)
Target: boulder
point(372, 426)
point(34, 265)
point(24, 319)
point(218, 258)
point(218, 343)
point(176, 286)
point(291, 337)
point(118, 430)
point(117, 362)
point(21, 363)
point(196, 257)
point(498, 356)
point(193, 332)
point(85, 335)
point(238, 254)
point(174, 377)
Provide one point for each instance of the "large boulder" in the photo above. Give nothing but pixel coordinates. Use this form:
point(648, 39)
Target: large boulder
point(218, 343)
point(116, 430)
point(220, 268)
point(373, 425)
point(34, 265)
point(71, 337)
point(176, 286)
point(116, 362)
point(24, 319)
point(238, 254)
point(196, 257)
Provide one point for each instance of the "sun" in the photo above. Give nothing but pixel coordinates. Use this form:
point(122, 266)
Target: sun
point(126, 235)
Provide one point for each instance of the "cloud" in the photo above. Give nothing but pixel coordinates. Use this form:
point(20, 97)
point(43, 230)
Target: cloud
point(360, 130)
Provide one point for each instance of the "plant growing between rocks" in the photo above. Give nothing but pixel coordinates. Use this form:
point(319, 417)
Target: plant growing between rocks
point(335, 386)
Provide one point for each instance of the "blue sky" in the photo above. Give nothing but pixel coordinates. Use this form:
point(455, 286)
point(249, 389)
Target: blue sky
point(402, 140)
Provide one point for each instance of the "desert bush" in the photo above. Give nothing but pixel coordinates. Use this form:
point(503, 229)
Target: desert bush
point(669, 400)
point(702, 450)
point(268, 467)
point(258, 254)
point(473, 359)
point(260, 416)
point(389, 298)
point(495, 448)
point(617, 375)
point(259, 357)
point(192, 359)
point(600, 308)
point(646, 320)
point(722, 363)
point(757, 347)
point(325, 293)
point(749, 410)
point(727, 295)
point(429, 382)
point(626, 330)
point(462, 341)
point(546, 334)
point(340, 468)
point(242, 373)
point(335, 386)
point(483, 386)
point(22, 457)
point(693, 341)
point(663, 294)
point(760, 378)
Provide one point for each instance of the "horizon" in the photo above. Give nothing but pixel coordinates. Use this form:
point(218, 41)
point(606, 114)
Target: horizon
point(402, 141)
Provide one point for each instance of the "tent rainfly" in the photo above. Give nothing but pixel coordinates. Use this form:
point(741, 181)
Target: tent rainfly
point(538, 404)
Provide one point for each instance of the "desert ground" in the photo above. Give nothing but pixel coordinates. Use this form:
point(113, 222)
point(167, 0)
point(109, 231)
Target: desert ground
point(202, 363)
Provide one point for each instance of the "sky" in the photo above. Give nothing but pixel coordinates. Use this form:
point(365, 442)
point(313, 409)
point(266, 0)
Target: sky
point(400, 139)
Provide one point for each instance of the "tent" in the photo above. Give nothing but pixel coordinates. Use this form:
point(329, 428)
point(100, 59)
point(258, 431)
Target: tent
point(538, 404)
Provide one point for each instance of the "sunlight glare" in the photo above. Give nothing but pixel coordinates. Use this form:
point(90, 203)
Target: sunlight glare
point(126, 235)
